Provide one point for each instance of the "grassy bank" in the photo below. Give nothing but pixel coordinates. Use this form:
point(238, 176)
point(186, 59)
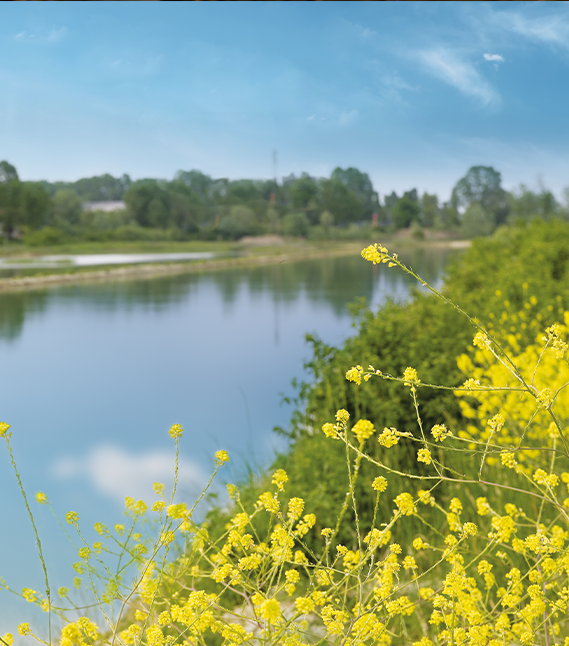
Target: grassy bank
point(250, 251)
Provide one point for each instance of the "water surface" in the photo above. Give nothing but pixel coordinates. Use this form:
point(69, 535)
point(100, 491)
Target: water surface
point(92, 377)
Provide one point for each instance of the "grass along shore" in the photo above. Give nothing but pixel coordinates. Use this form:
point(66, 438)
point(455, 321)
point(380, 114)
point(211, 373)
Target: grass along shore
point(246, 252)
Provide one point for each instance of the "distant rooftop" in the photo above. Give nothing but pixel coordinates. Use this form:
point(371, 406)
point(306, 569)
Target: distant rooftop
point(104, 206)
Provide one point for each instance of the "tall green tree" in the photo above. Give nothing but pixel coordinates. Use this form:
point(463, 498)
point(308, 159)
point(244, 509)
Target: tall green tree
point(149, 204)
point(21, 203)
point(406, 211)
point(8, 173)
point(482, 185)
point(303, 191)
point(66, 207)
point(361, 185)
point(429, 209)
point(342, 202)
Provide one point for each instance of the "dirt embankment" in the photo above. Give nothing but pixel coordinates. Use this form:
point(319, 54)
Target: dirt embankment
point(255, 251)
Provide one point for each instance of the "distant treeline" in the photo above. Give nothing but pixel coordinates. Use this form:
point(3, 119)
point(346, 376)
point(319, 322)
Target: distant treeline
point(194, 205)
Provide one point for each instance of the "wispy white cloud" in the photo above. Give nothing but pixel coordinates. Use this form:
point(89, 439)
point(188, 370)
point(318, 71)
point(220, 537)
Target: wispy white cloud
point(345, 118)
point(494, 58)
point(366, 32)
point(393, 85)
point(55, 35)
point(117, 473)
point(450, 68)
point(357, 30)
point(551, 29)
point(143, 67)
point(23, 37)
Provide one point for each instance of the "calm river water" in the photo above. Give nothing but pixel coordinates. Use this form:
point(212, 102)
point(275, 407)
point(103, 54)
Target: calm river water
point(93, 375)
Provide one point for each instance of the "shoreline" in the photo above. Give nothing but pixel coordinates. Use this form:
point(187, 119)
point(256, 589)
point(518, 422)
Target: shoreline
point(155, 270)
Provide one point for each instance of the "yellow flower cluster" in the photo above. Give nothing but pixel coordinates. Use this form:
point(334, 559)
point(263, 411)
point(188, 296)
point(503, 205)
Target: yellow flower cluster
point(377, 254)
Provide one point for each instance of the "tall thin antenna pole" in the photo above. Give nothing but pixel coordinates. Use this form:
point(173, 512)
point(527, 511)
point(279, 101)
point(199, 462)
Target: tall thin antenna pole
point(275, 165)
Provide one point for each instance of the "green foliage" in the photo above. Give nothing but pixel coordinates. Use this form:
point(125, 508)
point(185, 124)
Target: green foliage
point(405, 212)
point(361, 185)
point(429, 209)
point(45, 237)
point(477, 222)
point(66, 207)
point(526, 205)
point(240, 222)
point(8, 173)
point(303, 192)
point(342, 202)
point(482, 185)
point(22, 204)
point(295, 224)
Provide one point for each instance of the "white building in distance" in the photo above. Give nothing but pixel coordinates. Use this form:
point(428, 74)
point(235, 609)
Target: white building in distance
point(104, 206)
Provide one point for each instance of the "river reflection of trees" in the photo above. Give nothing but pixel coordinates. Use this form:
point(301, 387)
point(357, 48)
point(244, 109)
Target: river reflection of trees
point(329, 281)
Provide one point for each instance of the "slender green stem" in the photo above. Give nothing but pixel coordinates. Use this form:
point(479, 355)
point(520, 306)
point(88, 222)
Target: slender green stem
point(38, 542)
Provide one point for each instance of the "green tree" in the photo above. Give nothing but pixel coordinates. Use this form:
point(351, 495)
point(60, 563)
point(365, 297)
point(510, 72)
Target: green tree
point(303, 191)
point(326, 221)
point(361, 185)
point(35, 205)
point(8, 173)
point(66, 207)
point(240, 222)
point(342, 202)
point(482, 185)
point(295, 224)
point(149, 204)
point(197, 182)
point(476, 222)
point(406, 211)
point(429, 209)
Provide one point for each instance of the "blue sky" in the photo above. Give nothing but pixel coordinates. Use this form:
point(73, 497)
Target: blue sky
point(412, 93)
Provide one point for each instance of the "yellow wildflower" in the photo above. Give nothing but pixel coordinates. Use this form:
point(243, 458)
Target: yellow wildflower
point(410, 376)
point(176, 431)
point(221, 457)
point(355, 374)
point(304, 605)
point(424, 455)
point(279, 478)
point(480, 340)
point(295, 508)
point(4, 431)
point(363, 429)
point(405, 504)
point(419, 543)
point(342, 415)
point(388, 437)
point(179, 510)
point(440, 432)
point(271, 610)
point(376, 253)
point(329, 430)
point(41, 498)
point(379, 483)
point(72, 518)
point(268, 502)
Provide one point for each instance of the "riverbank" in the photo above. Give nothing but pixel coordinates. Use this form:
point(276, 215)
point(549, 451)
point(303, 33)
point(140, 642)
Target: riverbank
point(251, 251)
